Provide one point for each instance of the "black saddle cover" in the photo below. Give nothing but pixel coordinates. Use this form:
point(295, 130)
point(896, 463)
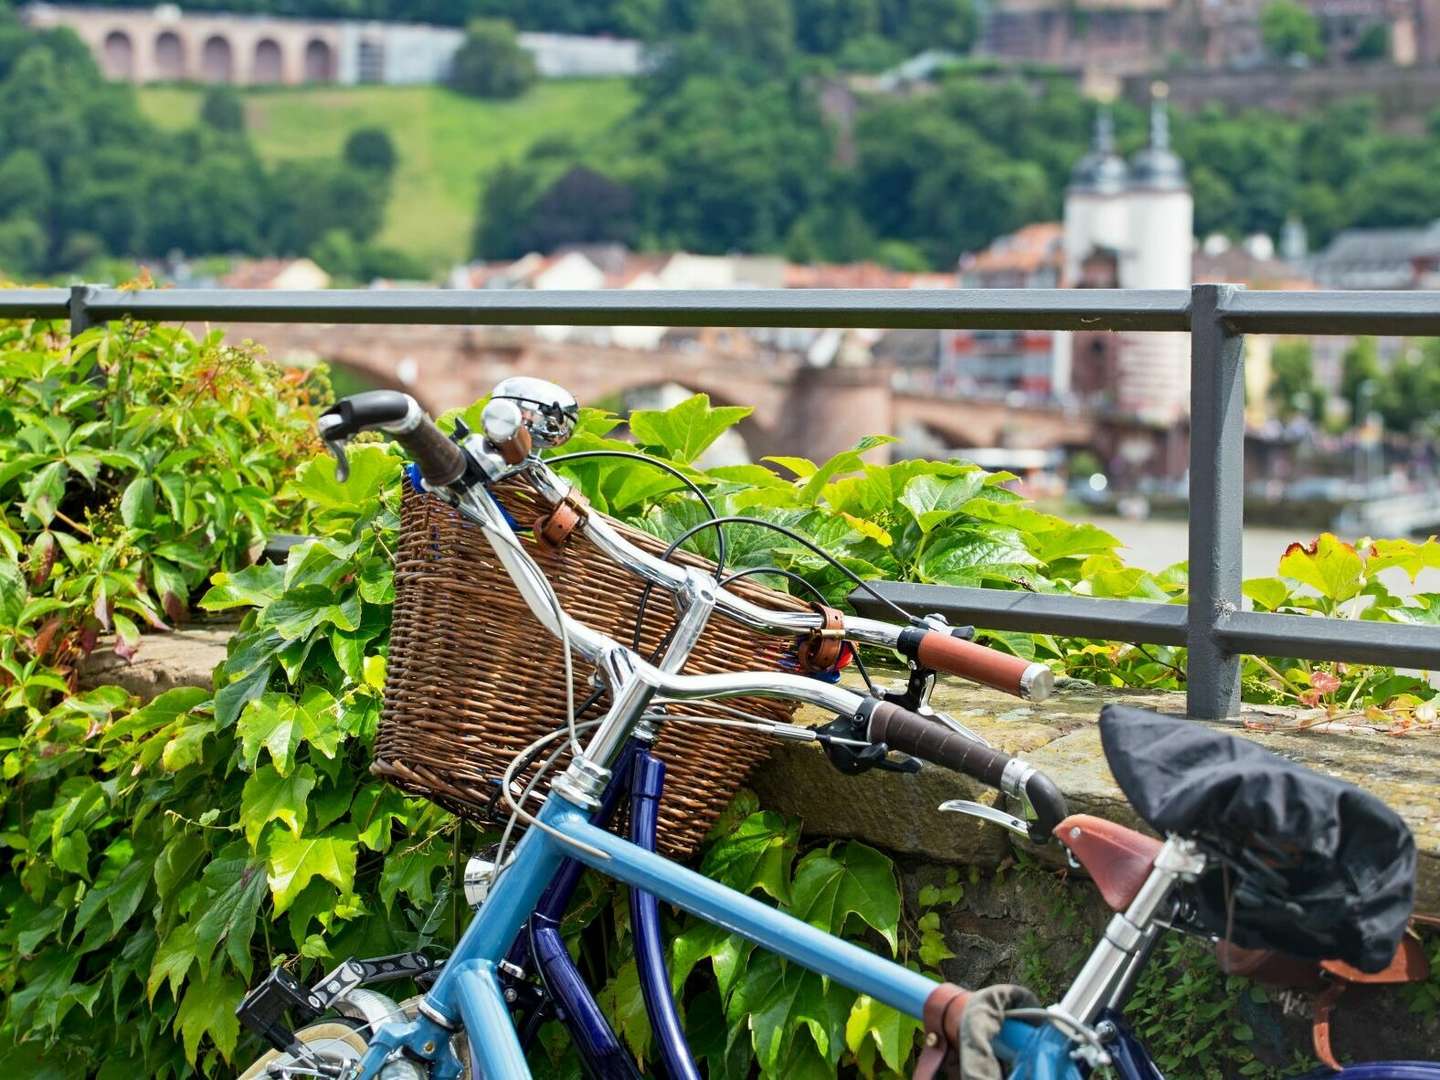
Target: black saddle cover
point(1301, 862)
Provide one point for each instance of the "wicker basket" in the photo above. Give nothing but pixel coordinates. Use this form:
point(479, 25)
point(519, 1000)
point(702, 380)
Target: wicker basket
point(473, 677)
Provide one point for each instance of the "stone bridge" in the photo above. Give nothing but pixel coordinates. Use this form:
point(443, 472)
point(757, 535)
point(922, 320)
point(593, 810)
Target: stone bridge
point(799, 409)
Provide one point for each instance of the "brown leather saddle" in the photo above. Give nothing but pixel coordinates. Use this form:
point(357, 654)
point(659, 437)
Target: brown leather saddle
point(1119, 860)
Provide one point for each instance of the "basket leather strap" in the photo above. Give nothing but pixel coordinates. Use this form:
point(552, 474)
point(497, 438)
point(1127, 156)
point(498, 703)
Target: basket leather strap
point(939, 1055)
point(515, 449)
point(821, 649)
point(1324, 1005)
point(554, 528)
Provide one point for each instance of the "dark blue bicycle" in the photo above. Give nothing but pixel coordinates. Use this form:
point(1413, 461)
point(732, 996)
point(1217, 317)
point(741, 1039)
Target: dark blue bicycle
point(1275, 862)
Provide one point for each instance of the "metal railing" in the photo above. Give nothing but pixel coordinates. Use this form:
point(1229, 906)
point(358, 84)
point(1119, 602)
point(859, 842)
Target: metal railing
point(1213, 625)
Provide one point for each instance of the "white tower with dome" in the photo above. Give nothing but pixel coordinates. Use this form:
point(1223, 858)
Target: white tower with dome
point(1138, 217)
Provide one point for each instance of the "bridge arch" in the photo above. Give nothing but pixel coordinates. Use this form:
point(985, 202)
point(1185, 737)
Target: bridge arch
point(217, 60)
point(169, 55)
point(319, 62)
point(117, 55)
point(268, 65)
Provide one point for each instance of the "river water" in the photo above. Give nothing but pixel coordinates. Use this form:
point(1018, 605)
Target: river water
point(1155, 543)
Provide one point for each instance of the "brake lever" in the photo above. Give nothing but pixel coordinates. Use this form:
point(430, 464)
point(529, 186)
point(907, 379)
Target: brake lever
point(333, 433)
point(342, 463)
point(989, 813)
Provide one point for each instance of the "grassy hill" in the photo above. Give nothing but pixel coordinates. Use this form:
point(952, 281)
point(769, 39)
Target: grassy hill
point(445, 141)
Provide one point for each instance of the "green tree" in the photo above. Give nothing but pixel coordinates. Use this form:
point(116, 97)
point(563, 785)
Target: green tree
point(1409, 397)
point(25, 185)
point(1397, 193)
point(759, 31)
point(223, 109)
point(371, 148)
point(506, 198)
point(1293, 390)
point(1372, 44)
point(938, 24)
point(1360, 375)
point(22, 248)
point(825, 27)
point(490, 63)
point(1289, 30)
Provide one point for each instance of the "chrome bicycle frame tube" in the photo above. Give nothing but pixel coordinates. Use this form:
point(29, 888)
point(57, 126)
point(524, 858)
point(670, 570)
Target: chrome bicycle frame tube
point(672, 576)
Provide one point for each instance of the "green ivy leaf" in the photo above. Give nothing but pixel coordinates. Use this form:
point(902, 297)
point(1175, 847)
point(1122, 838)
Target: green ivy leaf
point(1406, 554)
point(297, 612)
point(1269, 593)
point(255, 586)
point(237, 888)
point(233, 697)
point(624, 1003)
point(1329, 565)
point(833, 884)
point(683, 432)
point(279, 724)
point(892, 1032)
point(268, 796)
point(372, 470)
point(932, 500)
point(410, 869)
point(757, 855)
point(293, 861)
point(209, 1009)
point(137, 504)
point(173, 957)
point(775, 998)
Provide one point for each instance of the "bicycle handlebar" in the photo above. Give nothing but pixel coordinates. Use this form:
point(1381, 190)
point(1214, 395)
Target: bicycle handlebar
point(399, 415)
point(921, 737)
point(443, 463)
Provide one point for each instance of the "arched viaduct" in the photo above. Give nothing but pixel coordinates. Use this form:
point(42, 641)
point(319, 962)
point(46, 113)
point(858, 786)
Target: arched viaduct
point(160, 45)
point(802, 410)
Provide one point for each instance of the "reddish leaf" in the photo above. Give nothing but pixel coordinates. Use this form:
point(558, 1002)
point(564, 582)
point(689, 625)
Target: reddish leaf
point(1325, 682)
point(1310, 697)
point(174, 607)
point(89, 638)
point(126, 649)
point(46, 637)
point(42, 560)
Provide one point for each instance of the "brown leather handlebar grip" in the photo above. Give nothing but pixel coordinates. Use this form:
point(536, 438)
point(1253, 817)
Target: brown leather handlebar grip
point(441, 461)
point(929, 740)
point(989, 667)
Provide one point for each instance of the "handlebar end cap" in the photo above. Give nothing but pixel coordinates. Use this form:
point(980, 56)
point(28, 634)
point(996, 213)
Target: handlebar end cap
point(1037, 683)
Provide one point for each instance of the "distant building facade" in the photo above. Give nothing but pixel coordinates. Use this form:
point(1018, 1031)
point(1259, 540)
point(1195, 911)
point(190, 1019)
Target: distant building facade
point(1380, 259)
point(1128, 37)
point(164, 44)
point(1007, 360)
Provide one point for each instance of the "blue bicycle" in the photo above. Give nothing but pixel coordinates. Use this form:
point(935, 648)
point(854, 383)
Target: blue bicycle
point(1254, 848)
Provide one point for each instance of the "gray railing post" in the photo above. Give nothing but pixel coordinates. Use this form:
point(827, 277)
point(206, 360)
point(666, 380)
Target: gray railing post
point(1217, 507)
point(79, 305)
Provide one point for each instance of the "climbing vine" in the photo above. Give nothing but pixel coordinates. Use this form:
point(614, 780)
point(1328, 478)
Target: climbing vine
point(161, 854)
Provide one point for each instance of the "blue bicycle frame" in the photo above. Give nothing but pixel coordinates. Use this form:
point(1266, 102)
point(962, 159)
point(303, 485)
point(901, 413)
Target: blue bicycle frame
point(468, 990)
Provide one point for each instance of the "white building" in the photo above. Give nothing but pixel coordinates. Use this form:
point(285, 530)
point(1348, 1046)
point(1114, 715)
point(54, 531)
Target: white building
point(1131, 226)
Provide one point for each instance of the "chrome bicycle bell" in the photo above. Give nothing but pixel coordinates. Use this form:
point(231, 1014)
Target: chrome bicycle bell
point(549, 412)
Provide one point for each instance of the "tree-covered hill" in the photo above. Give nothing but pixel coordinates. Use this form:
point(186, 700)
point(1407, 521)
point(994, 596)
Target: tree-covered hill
point(446, 145)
